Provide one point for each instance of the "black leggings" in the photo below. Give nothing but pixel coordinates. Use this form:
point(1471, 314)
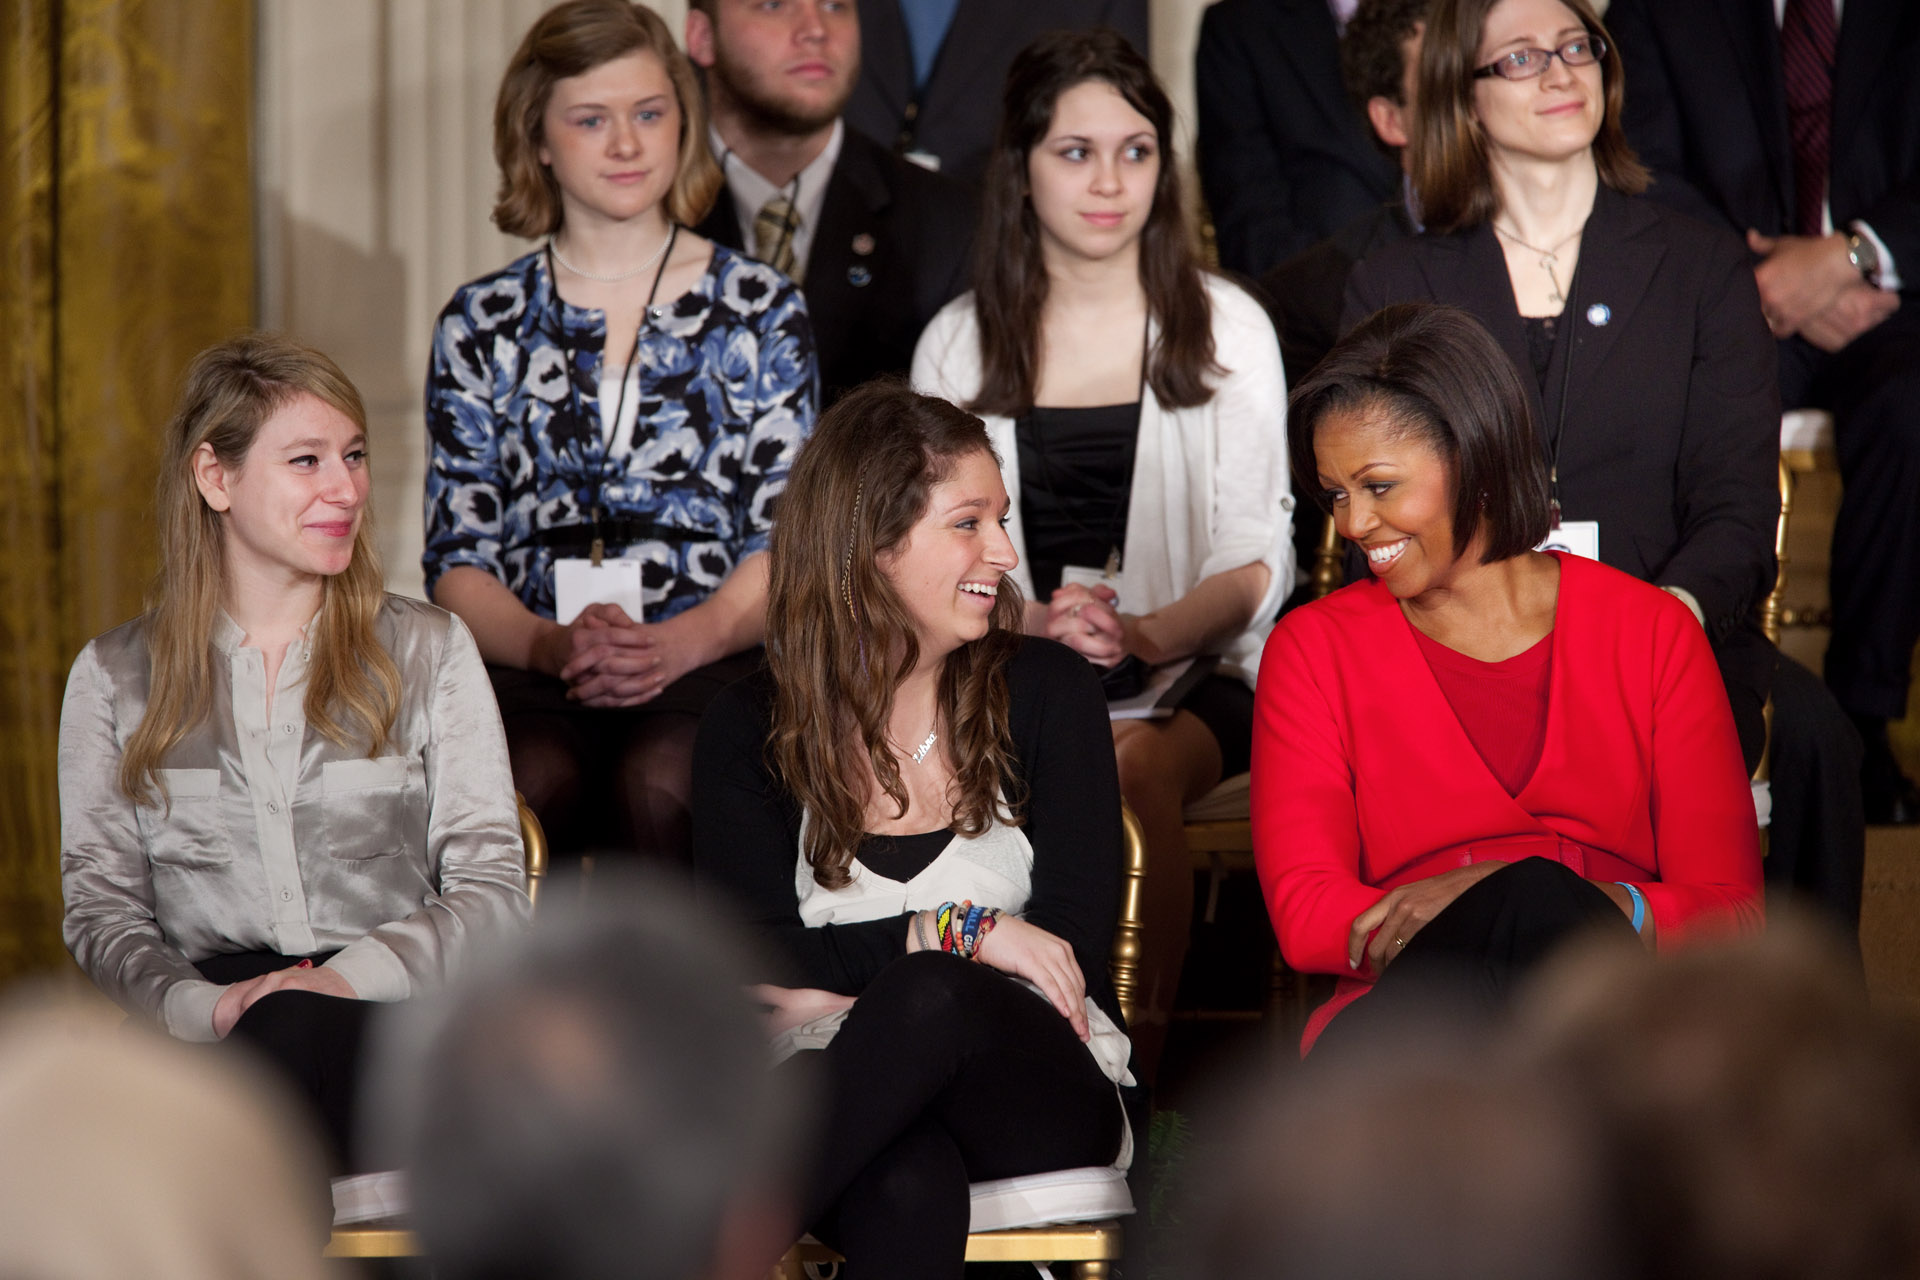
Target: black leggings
point(1468, 959)
point(945, 1073)
point(311, 1041)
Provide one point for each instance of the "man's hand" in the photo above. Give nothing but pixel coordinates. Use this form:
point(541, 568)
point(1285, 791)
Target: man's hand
point(1859, 308)
point(1800, 277)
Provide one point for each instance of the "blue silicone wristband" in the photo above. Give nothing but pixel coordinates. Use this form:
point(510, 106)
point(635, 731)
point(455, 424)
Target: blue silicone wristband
point(1639, 904)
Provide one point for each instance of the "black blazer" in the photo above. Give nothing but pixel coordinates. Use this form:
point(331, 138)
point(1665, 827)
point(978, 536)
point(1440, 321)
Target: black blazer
point(1670, 422)
point(955, 114)
point(893, 246)
point(1285, 158)
point(1706, 109)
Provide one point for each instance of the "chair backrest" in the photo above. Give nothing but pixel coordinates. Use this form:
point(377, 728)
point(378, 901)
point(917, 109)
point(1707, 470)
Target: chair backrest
point(1327, 570)
point(533, 838)
point(1127, 935)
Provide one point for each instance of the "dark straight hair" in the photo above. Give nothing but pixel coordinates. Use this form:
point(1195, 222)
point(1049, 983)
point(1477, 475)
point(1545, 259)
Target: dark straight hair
point(1447, 152)
point(1009, 275)
point(1435, 374)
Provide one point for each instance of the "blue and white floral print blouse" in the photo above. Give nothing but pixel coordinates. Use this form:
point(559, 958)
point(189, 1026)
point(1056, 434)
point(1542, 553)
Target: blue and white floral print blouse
point(728, 389)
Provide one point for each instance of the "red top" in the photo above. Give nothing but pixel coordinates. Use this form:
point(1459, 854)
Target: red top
point(1501, 705)
point(1364, 779)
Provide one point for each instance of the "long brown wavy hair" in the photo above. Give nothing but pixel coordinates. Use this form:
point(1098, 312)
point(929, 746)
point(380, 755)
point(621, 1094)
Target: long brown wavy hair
point(840, 640)
point(1447, 153)
point(353, 686)
point(1009, 275)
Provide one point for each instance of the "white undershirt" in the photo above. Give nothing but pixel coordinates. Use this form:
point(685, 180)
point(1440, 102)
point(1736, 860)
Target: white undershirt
point(618, 436)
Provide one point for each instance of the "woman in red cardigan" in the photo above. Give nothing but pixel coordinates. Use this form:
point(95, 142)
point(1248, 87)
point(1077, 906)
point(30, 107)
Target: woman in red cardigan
point(1486, 747)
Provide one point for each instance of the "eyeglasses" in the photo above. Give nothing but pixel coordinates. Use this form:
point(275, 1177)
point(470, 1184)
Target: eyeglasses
point(1530, 64)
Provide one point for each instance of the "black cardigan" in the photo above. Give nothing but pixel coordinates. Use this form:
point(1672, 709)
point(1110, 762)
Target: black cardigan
point(746, 827)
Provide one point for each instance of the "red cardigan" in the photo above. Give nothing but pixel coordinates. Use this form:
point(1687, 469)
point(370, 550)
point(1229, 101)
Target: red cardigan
point(1363, 779)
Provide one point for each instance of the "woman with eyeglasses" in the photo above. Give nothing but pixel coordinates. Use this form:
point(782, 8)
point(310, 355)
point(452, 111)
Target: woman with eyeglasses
point(1639, 334)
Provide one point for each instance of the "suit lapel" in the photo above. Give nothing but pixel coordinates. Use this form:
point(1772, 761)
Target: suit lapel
point(1470, 271)
point(722, 223)
point(856, 194)
point(1617, 263)
point(887, 60)
point(1751, 31)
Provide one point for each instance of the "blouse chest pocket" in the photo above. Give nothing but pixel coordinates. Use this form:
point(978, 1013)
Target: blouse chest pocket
point(186, 827)
point(364, 803)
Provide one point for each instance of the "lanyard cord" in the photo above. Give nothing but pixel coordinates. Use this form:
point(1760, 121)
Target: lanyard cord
point(620, 405)
point(1115, 533)
point(1570, 314)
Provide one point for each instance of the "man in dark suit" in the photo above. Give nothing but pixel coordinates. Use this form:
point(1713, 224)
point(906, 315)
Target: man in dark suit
point(1797, 124)
point(1379, 57)
point(877, 244)
point(934, 70)
point(1284, 159)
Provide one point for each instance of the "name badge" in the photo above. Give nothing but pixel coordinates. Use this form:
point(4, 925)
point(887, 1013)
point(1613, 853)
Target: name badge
point(1580, 537)
point(579, 583)
point(1081, 575)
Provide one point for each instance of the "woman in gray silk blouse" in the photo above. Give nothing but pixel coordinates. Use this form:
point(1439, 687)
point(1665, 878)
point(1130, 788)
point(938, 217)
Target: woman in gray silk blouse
point(284, 793)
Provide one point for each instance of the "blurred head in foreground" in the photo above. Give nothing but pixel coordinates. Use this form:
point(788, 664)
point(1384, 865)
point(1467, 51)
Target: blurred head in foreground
point(599, 1103)
point(1763, 1118)
point(123, 1153)
point(1426, 1161)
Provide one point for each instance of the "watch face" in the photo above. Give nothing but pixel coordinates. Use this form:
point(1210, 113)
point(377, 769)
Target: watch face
point(1863, 255)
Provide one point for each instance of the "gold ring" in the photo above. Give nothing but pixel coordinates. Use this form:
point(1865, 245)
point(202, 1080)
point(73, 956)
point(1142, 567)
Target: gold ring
point(1399, 942)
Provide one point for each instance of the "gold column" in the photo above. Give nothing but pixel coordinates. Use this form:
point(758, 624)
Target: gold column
point(126, 216)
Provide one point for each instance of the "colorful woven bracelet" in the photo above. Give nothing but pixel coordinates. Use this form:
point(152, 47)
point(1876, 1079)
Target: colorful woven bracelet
point(987, 921)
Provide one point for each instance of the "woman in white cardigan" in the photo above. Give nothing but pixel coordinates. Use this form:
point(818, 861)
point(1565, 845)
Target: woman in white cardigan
point(1139, 411)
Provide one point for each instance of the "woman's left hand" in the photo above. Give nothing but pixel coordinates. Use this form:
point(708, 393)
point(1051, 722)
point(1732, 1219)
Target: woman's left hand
point(788, 1007)
point(1396, 918)
point(1085, 620)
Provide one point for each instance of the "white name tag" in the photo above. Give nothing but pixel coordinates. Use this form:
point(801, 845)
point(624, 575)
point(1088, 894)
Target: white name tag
point(1580, 537)
point(579, 583)
point(1080, 575)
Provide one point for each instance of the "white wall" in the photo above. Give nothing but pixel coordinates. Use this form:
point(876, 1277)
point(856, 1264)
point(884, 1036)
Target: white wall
point(375, 177)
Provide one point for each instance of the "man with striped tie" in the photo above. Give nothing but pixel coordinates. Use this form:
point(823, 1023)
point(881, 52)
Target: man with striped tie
point(876, 243)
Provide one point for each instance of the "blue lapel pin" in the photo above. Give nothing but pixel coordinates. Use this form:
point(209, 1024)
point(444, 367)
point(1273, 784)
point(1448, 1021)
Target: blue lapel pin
point(1598, 314)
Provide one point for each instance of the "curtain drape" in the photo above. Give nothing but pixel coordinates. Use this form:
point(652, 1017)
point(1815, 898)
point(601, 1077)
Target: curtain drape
point(126, 232)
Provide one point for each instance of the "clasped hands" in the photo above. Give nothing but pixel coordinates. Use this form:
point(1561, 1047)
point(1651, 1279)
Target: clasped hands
point(242, 996)
point(609, 660)
point(1808, 287)
point(1086, 620)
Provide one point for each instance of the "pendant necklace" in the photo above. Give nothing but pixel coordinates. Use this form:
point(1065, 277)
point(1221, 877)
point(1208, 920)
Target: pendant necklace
point(1549, 258)
point(553, 247)
point(925, 747)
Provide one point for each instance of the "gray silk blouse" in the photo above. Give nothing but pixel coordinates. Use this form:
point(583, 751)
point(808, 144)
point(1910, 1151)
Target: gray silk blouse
point(271, 837)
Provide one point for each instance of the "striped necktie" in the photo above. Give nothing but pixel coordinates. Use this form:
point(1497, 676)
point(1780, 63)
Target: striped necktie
point(773, 229)
point(1808, 34)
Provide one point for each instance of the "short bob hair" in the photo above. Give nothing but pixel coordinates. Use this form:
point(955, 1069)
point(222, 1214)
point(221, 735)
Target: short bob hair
point(571, 39)
point(1435, 374)
point(1447, 152)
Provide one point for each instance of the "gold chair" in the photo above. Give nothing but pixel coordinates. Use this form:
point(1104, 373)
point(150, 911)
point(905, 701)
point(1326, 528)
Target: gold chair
point(1090, 1246)
point(533, 838)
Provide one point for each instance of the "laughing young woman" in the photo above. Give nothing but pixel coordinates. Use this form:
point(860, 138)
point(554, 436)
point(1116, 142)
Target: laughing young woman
point(917, 805)
point(1484, 748)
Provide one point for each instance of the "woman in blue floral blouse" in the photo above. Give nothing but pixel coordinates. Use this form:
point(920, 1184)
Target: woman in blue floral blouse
point(610, 418)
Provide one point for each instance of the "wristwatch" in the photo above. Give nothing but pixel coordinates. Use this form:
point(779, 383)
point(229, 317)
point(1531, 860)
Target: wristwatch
point(1864, 257)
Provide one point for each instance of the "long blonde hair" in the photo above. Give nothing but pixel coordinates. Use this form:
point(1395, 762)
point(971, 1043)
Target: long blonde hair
point(353, 686)
point(840, 640)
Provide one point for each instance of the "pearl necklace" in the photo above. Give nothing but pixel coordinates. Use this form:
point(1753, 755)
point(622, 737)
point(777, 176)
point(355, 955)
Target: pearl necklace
point(553, 247)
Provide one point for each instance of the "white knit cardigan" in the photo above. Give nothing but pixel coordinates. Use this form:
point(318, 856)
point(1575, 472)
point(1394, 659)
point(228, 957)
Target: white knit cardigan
point(1210, 489)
